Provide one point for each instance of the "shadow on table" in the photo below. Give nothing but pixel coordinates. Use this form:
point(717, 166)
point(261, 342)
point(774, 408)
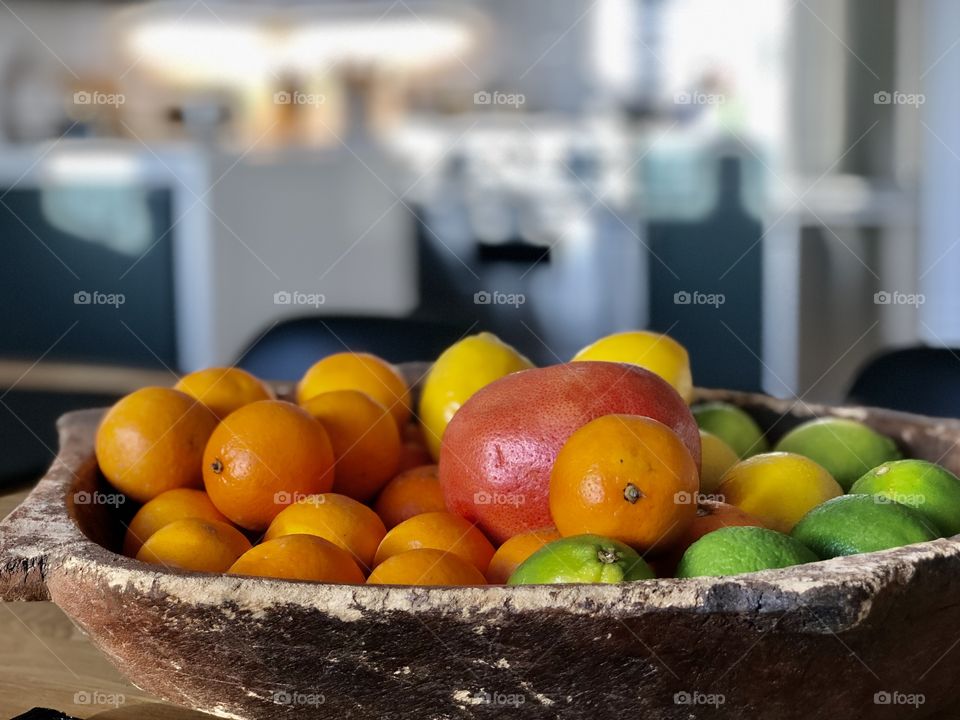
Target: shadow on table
point(150, 711)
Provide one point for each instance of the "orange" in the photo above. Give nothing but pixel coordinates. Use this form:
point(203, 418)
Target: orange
point(365, 439)
point(152, 441)
point(413, 433)
point(425, 566)
point(440, 531)
point(410, 493)
point(263, 457)
point(224, 389)
point(413, 451)
point(625, 477)
point(359, 371)
point(343, 521)
point(194, 544)
point(299, 557)
point(164, 509)
point(413, 455)
point(514, 551)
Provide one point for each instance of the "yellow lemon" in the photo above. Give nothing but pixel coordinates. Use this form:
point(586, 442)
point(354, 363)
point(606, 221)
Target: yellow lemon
point(716, 457)
point(656, 352)
point(461, 370)
point(777, 488)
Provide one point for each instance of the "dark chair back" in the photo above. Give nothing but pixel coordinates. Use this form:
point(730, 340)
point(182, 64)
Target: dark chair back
point(287, 350)
point(920, 380)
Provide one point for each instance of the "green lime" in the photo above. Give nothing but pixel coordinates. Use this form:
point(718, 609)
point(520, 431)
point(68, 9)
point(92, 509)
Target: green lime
point(852, 524)
point(733, 426)
point(736, 550)
point(930, 489)
point(846, 448)
point(582, 559)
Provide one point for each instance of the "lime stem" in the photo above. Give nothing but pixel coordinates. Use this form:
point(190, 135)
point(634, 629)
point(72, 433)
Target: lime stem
point(607, 556)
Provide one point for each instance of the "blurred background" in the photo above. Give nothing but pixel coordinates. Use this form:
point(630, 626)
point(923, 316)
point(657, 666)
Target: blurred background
point(184, 184)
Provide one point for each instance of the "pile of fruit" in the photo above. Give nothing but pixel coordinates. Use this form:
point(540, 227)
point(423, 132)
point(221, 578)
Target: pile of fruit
point(595, 470)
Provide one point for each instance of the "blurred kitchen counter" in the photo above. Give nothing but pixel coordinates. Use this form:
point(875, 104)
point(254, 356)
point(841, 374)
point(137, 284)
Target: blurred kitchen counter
point(79, 377)
point(46, 661)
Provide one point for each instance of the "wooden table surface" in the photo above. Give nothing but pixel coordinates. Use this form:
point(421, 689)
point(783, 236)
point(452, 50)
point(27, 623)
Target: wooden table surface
point(45, 661)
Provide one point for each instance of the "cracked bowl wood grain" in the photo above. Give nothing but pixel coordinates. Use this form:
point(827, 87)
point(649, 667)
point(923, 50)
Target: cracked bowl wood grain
point(813, 641)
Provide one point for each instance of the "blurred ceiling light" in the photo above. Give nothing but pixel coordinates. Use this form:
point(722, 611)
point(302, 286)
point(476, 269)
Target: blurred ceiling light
point(243, 44)
point(192, 50)
point(410, 44)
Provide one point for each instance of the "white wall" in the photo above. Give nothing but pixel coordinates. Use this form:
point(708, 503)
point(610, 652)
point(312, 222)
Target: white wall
point(940, 177)
point(320, 224)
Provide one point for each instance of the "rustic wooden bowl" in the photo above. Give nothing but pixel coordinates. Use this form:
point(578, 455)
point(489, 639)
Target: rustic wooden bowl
point(866, 636)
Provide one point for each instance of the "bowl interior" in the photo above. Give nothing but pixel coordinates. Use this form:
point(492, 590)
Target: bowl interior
point(102, 514)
